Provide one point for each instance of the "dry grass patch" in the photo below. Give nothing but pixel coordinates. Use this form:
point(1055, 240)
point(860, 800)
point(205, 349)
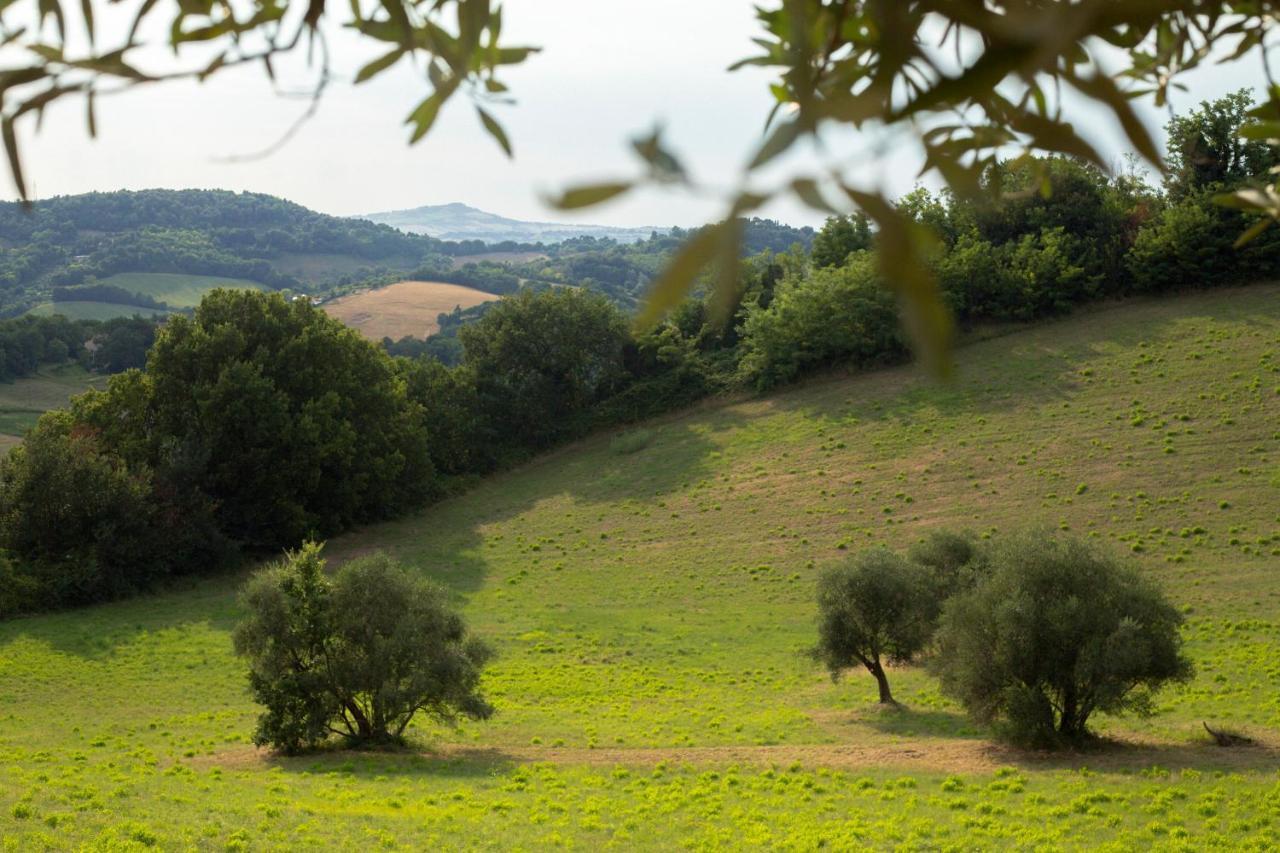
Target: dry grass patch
point(406, 308)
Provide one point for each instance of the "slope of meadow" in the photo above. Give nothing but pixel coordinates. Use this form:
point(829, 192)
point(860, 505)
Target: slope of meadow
point(177, 290)
point(650, 598)
point(82, 310)
point(404, 309)
point(24, 400)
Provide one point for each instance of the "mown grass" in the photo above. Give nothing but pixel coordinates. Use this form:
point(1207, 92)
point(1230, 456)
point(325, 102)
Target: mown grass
point(83, 310)
point(24, 400)
point(175, 289)
point(655, 598)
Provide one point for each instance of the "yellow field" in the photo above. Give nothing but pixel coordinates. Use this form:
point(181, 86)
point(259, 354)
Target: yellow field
point(406, 308)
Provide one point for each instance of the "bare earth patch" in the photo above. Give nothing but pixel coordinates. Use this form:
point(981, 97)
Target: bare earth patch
point(408, 308)
point(936, 755)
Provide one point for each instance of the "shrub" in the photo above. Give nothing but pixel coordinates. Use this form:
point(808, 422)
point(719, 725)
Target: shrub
point(356, 656)
point(837, 315)
point(874, 609)
point(1055, 633)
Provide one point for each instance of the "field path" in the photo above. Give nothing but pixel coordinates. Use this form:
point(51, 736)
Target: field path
point(935, 755)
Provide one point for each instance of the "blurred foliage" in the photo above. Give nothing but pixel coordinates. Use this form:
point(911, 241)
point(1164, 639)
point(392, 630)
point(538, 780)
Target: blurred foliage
point(973, 83)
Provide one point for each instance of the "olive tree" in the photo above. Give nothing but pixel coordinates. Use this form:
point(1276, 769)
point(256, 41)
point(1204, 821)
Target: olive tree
point(1054, 634)
point(358, 655)
point(954, 560)
point(878, 608)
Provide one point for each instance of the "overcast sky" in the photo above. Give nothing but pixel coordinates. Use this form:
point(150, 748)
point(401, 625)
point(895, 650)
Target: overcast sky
point(609, 70)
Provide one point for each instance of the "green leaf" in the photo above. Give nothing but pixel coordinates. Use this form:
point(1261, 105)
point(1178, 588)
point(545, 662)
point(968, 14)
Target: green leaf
point(901, 249)
point(424, 116)
point(782, 138)
point(677, 279)
point(495, 130)
point(1254, 230)
point(806, 189)
point(1262, 130)
point(11, 149)
point(589, 194)
point(379, 65)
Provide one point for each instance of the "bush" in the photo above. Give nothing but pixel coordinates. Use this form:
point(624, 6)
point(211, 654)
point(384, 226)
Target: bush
point(356, 656)
point(838, 315)
point(1056, 633)
point(877, 608)
point(1191, 244)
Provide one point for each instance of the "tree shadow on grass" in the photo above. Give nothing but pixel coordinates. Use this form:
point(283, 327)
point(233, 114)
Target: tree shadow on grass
point(1152, 759)
point(904, 721)
point(474, 763)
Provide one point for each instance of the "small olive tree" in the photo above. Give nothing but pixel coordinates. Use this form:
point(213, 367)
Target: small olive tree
point(877, 608)
point(1055, 633)
point(358, 655)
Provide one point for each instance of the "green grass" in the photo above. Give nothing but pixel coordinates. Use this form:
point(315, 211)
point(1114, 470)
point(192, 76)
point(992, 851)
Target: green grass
point(651, 603)
point(174, 289)
point(24, 400)
point(93, 310)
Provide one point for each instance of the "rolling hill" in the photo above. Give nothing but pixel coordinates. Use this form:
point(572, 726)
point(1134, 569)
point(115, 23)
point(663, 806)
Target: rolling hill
point(462, 222)
point(650, 597)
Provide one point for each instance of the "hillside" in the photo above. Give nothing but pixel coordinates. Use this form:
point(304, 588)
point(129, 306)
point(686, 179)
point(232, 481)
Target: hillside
point(650, 598)
point(462, 222)
point(270, 242)
point(22, 401)
point(405, 309)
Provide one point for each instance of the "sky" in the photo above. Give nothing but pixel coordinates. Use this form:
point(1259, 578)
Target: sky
point(609, 70)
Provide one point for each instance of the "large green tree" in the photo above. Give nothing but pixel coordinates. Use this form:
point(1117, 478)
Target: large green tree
point(288, 420)
point(540, 360)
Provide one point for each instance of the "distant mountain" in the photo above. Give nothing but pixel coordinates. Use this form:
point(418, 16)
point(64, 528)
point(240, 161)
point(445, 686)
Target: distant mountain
point(462, 222)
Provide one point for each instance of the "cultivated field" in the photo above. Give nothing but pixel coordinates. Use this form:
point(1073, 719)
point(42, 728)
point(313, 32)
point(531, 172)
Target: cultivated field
point(93, 310)
point(24, 400)
point(650, 597)
point(408, 308)
point(497, 257)
point(177, 290)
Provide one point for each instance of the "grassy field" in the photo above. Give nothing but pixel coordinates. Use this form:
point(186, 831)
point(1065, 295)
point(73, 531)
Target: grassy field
point(650, 597)
point(24, 400)
point(408, 308)
point(93, 310)
point(174, 289)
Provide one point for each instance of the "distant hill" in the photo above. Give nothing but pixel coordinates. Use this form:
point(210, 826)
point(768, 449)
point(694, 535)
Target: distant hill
point(251, 237)
point(462, 222)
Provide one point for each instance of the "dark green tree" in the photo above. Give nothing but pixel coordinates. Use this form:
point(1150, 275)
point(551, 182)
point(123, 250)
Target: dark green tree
point(541, 359)
point(840, 237)
point(358, 656)
point(287, 419)
point(1056, 633)
point(878, 608)
point(1206, 149)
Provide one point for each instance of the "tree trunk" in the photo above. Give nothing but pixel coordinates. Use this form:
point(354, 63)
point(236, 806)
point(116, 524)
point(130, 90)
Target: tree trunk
point(362, 722)
point(886, 698)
